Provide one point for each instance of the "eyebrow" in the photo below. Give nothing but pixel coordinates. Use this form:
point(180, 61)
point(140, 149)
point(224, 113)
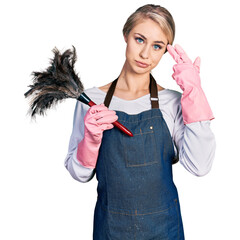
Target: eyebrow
point(146, 38)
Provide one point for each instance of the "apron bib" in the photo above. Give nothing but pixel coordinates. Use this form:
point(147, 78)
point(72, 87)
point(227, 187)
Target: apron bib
point(137, 198)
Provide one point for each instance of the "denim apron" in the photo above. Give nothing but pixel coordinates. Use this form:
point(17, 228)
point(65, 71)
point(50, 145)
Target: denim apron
point(137, 199)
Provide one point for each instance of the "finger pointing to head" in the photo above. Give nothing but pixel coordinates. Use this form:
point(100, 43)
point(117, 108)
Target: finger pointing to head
point(174, 54)
point(182, 54)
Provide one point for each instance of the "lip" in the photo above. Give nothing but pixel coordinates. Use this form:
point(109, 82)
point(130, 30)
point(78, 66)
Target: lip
point(141, 64)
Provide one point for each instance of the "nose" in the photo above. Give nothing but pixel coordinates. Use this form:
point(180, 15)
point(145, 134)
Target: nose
point(145, 52)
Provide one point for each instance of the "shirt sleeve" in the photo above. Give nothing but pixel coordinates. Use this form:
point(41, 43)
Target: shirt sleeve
point(77, 171)
point(195, 143)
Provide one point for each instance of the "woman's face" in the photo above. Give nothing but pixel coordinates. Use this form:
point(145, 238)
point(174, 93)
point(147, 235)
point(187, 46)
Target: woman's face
point(146, 44)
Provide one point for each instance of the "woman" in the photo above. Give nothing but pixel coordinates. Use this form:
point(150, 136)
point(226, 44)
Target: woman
point(137, 198)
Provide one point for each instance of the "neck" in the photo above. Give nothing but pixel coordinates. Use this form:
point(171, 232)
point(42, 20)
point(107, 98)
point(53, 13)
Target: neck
point(131, 81)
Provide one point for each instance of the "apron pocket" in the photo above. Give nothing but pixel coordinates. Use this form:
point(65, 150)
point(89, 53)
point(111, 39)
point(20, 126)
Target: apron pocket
point(140, 150)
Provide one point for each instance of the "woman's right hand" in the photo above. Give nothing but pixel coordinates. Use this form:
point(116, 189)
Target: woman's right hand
point(97, 119)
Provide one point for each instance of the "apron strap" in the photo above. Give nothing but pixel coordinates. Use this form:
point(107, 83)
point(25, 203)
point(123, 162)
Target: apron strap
point(110, 92)
point(153, 92)
point(152, 89)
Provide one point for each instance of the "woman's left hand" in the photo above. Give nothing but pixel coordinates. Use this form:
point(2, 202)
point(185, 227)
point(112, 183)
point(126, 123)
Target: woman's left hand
point(186, 73)
point(194, 103)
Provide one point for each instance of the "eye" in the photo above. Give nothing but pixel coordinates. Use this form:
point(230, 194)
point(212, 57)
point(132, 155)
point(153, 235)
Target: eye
point(156, 47)
point(139, 40)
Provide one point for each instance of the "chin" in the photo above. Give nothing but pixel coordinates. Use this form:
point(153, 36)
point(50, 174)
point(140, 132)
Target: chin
point(143, 72)
point(139, 70)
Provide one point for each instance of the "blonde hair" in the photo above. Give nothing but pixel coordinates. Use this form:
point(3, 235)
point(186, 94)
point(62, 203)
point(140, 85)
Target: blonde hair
point(156, 13)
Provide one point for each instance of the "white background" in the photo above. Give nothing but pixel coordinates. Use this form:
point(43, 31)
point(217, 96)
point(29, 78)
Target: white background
point(39, 199)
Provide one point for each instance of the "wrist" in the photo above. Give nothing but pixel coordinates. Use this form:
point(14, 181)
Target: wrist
point(87, 154)
point(93, 138)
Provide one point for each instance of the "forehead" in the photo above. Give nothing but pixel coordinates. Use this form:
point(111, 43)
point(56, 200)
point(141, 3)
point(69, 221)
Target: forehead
point(150, 29)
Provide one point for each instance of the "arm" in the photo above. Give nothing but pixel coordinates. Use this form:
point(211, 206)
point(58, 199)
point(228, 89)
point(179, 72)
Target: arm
point(193, 136)
point(77, 170)
point(86, 140)
point(195, 143)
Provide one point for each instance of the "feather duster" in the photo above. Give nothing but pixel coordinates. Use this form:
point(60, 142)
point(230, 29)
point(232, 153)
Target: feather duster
point(58, 82)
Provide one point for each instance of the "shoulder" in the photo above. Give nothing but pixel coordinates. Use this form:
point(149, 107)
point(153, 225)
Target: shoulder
point(105, 87)
point(170, 94)
point(160, 88)
point(95, 94)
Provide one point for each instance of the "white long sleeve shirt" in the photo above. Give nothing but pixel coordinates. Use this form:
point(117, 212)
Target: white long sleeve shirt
point(194, 143)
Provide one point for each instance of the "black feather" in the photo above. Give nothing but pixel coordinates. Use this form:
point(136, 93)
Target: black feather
point(58, 82)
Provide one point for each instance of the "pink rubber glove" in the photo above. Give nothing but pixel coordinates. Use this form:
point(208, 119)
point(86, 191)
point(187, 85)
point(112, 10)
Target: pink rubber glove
point(194, 103)
point(97, 119)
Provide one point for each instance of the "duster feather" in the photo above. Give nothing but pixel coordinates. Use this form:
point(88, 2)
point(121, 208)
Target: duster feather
point(58, 82)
